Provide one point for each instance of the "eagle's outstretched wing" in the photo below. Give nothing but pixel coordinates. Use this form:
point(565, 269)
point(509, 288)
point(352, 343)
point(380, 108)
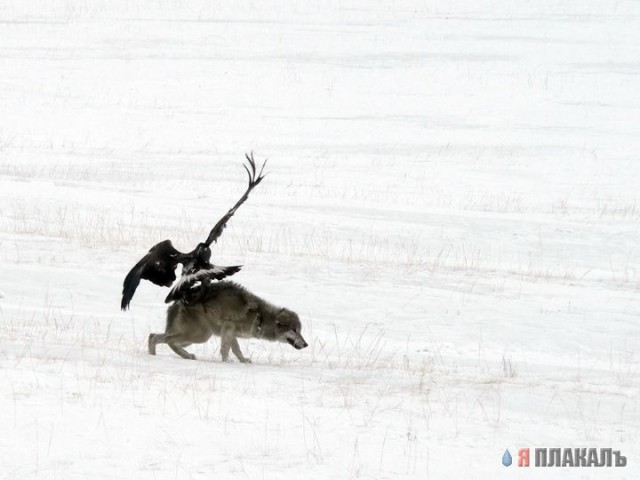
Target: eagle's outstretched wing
point(254, 179)
point(157, 266)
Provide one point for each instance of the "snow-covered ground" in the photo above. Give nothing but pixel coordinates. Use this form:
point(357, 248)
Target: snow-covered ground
point(452, 208)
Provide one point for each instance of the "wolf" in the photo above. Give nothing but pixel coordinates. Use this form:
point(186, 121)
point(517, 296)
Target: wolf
point(230, 311)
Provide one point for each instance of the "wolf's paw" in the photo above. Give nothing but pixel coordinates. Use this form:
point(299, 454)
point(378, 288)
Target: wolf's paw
point(152, 345)
point(191, 356)
point(245, 360)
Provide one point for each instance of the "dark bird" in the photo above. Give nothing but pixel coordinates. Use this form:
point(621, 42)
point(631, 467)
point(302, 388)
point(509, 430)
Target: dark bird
point(159, 265)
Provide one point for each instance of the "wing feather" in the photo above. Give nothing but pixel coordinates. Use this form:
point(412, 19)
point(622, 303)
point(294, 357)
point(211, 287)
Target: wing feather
point(157, 266)
point(188, 280)
point(131, 282)
point(254, 179)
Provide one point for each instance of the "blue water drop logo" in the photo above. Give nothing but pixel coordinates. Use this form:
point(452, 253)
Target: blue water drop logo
point(506, 458)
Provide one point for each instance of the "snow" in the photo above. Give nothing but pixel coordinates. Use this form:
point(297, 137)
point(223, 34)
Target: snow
point(451, 207)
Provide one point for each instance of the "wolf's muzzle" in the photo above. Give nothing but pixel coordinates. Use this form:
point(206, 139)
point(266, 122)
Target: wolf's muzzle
point(298, 343)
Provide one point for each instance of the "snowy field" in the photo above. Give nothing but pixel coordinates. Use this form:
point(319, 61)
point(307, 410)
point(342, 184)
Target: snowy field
point(451, 207)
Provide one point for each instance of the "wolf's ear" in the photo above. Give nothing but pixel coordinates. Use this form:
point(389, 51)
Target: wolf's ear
point(280, 318)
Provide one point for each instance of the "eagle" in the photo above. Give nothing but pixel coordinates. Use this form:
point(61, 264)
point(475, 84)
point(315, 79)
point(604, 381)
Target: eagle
point(159, 265)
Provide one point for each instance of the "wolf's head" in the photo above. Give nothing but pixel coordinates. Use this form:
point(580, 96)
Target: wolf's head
point(288, 329)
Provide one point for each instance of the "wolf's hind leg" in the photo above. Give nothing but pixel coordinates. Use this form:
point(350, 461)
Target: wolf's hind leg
point(235, 348)
point(169, 339)
point(181, 351)
point(155, 339)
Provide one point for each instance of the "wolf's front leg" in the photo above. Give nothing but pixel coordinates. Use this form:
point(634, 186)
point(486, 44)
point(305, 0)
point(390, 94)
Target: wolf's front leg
point(228, 342)
point(226, 336)
point(224, 350)
point(235, 348)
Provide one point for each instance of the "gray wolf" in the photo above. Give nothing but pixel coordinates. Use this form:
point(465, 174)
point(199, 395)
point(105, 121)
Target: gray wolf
point(230, 311)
